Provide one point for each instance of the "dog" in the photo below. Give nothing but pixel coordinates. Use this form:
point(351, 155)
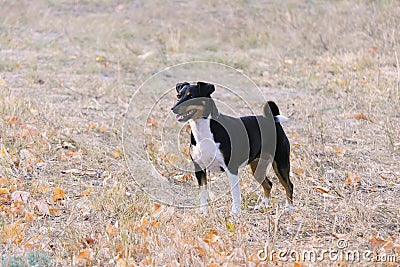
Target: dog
point(221, 142)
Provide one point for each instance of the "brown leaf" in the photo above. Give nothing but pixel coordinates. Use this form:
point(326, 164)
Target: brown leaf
point(3, 182)
point(288, 62)
point(111, 230)
point(156, 207)
point(352, 179)
point(152, 122)
point(14, 232)
point(211, 236)
point(299, 171)
point(55, 212)
point(99, 58)
point(13, 120)
point(376, 243)
point(116, 153)
point(4, 191)
point(29, 216)
point(28, 131)
point(121, 263)
point(5, 196)
point(340, 151)
point(84, 257)
point(321, 190)
point(88, 242)
point(59, 194)
point(2, 82)
point(144, 222)
point(360, 116)
point(86, 192)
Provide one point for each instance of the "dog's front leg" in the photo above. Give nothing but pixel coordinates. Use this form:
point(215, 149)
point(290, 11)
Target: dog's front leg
point(202, 181)
point(235, 191)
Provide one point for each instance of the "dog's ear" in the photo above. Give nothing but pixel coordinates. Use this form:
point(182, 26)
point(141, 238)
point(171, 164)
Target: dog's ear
point(179, 86)
point(206, 88)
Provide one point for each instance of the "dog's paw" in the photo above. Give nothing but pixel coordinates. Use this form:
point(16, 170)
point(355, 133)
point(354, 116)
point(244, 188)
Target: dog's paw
point(288, 207)
point(203, 209)
point(264, 203)
point(236, 210)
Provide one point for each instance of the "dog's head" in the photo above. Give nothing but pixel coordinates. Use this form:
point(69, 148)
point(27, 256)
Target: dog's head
point(194, 101)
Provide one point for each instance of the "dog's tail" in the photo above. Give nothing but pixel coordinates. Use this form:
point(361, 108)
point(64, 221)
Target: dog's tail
point(270, 106)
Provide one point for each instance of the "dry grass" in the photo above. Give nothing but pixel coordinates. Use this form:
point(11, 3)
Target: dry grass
point(68, 70)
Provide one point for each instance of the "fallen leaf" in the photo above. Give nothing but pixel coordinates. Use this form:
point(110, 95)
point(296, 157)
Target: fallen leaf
point(352, 179)
point(116, 153)
point(42, 208)
point(20, 196)
point(288, 62)
point(86, 192)
point(372, 50)
point(14, 232)
point(321, 190)
point(84, 257)
point(360, 116)
point(376, 243)
point(74, 154)
point(151, 121)
point(144, 222)
point(299, 171)
point(33, 110)
point(3, 182)
point(340, 151)
point(389, 244)
point(59, 194)
point(5, 196)
point(111, 230)
point(342, 82)
point(103, 128)
point(4, 191)
point(121, 263)
point(156, 207)
point(99, 58)
point(211, 236)
point(29, 217)
point(13, 120)
point(88, 242)
point(55, 212)
point(2, 82)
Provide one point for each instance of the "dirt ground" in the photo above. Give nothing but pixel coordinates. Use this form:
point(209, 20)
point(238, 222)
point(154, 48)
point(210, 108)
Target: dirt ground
point(68, 72)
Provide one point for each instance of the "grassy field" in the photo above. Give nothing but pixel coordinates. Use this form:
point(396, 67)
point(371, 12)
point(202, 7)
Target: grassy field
point(68, 70)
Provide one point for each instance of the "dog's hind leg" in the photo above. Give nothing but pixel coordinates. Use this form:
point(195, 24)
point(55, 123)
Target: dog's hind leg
point(202, 181)
point(259, 170)
point(282, 172)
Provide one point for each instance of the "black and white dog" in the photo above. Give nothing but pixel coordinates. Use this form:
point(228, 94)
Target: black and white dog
point(225, 143)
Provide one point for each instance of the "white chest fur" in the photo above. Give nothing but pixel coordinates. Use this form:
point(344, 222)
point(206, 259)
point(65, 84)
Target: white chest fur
point(206, 152)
